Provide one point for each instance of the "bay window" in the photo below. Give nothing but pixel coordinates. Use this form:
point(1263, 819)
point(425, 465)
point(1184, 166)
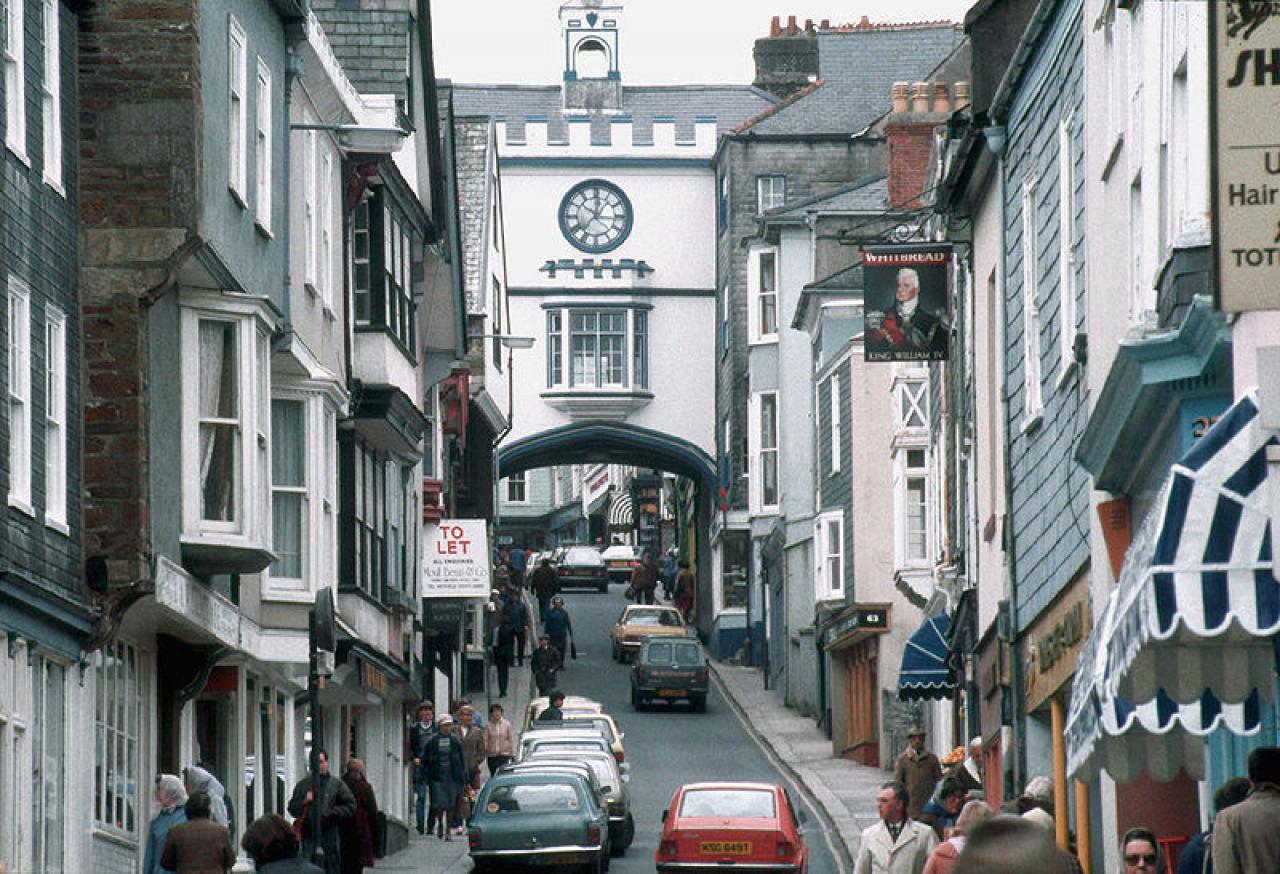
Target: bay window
point(606, 348)
point(381, 250)
point(912, 499)
point(118, 719)
point(289, 528)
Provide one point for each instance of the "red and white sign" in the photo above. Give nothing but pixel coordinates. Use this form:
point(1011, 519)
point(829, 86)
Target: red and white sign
point(455, 563)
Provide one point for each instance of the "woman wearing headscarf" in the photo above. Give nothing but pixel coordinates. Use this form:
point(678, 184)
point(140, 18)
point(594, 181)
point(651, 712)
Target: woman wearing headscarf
point(170, 796)
point(358, 831)
point(200, 780)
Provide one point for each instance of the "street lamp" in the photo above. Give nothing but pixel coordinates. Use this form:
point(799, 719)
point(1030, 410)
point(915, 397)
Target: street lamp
point(511, 341)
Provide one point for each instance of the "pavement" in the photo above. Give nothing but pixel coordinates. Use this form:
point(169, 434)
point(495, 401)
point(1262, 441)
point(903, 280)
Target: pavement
point(844, 790)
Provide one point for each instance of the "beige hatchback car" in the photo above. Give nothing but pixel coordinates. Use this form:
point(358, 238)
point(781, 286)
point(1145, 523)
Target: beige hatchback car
point(639, 621)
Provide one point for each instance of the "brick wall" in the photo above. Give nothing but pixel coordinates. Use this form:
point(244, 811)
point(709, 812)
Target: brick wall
point(139, 153)
point(909, 140)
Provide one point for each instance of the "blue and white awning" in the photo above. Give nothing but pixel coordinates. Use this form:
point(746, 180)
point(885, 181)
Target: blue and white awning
point(1197, 600)
point(1190, 629)
point(925, 673)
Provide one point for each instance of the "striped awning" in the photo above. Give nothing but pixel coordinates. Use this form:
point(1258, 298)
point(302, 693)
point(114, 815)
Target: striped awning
point(621, 511)
point(925, 673)
point(1190, 629)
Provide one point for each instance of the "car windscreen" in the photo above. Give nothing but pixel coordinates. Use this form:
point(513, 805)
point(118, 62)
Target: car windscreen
point(566, 745)
point(533, 798)
point(668, 618)
point(586, 555)
point(754, 803)
point(593, 722)
point(598, 764)
point(683, 654)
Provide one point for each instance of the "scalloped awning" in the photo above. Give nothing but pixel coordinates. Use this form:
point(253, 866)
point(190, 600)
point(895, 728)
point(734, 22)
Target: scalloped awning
point(925, 673)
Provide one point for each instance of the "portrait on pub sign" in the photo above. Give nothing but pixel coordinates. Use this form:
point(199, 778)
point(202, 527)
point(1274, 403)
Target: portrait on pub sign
point(907, 303)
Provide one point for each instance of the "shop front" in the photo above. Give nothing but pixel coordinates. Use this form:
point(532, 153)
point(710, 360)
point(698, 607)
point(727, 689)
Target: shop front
point(851, 642)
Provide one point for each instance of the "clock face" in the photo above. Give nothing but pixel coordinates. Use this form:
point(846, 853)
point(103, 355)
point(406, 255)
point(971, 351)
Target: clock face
point(595, 216)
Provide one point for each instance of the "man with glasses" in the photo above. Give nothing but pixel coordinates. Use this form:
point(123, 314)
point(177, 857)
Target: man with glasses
point(1140, 852)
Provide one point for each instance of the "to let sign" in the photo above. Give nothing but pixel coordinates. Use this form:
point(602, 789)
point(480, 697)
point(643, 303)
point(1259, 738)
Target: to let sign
point(456, 560)
point(1244, 88)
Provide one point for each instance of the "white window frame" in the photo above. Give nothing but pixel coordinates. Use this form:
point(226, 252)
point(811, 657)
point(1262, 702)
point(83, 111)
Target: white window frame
point(771, 192)
point(252, 523)
point(237, 110)
point(1032, 400)
point(55, 420)
point(19, 396)
point(310, 255)
point(51, 96)
point(829, 586)
point(324, 224)
point(264, 166)
point(1066, 248)
point(517, 479)
point(903, 475)
point(15, 78)
point(762, 455)
point(911, 399)
point(119, 724)
point(759, 297)
point(834, 425)
point(634, 370)
point(279, 580)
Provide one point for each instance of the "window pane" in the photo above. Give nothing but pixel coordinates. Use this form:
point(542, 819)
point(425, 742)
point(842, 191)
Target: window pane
point(768, 422)
point(288, 454)
point(915, 519)
point(286, 532)
point(915, 458)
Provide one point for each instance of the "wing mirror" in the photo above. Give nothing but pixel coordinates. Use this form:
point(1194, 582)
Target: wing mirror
point(664, 815)
point(605, 790)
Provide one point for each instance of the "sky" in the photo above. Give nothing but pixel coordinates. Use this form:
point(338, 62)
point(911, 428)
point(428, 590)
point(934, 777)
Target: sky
point(662, 41)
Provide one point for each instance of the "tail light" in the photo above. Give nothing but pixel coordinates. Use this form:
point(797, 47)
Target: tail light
point(473, 838)
point(563, 571)
point(641, 674)
point(593, 834)
point(667, 847)
point(702, 675)
point(785, 849)
point(619, 755)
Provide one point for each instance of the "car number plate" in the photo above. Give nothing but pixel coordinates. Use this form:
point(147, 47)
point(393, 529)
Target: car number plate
point(726, 848)
point(670, 693)
point(555, 859)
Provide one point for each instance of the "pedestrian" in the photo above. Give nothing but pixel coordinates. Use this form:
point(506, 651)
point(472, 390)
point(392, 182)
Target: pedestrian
point(420, 734)
point(499, 740)
point(272, 844)
point(1009, 845)
point(516, 562)
point(359, 833)
point(199, 845)
point(545, 585)
point(336, 804)
point(473, 754)
point(896, 844)
point(685, 589)
point(667, 573)
point(558, 626)
point(969, 771)
point(1197, 855)
point(446, 774)
point(553, 713)
point(170, 795)
point(644, 579)
point(1140, 852)
point(943, 858)
point(942, 810)
point(503, 651)
point(1245, 837)
point(517, 614)
point(1040, 813)
point(199, 779)
point(546, 662)
point(919, 770)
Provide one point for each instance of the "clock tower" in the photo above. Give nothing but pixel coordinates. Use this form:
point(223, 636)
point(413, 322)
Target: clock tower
point(592, 79)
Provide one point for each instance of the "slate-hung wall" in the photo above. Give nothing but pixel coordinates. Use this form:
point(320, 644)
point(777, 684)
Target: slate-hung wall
point(38, 249)
point(835, 485)
point(1049, 490)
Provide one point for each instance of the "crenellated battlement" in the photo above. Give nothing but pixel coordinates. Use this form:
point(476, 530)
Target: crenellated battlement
point(607, 136)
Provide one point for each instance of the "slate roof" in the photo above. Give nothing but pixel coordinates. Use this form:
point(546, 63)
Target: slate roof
point(728, 105)
point(850, 278)
point(868, 194)
point(471, 141)
point(857, 69)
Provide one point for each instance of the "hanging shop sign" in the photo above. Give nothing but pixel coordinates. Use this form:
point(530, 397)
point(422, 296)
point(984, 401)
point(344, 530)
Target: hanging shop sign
point(456, 560)
point(1244, 84)
point(1053, 643)
point(908, 302)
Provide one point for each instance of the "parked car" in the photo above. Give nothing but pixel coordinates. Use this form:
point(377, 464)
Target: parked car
point(670, 669)
point(574, 705)
point(548, 819)
point(638, 621)
point(565, 739)
point(621, 560)
point(732, 826)
point(601, 722)
point(582, 566)
point(613, 779)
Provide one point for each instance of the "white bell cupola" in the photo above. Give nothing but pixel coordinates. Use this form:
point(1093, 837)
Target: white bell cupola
point(592, 79)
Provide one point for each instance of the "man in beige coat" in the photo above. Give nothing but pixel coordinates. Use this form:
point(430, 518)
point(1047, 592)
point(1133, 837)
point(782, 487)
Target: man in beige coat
point(1246, 836)
point(897, 844)
point(919, 770)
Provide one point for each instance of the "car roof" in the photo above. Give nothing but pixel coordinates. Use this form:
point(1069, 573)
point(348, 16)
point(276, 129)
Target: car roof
point(668, 638)
point(619, 548)
point(561, 733)
point(659, 608)
point(766, 787)
point(514, 776)
point(570, 756)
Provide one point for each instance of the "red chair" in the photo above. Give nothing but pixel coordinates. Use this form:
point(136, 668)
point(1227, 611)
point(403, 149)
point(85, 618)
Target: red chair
point(1170, 857)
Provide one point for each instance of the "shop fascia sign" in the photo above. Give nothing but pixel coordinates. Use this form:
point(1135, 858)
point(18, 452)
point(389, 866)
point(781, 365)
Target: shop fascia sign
point(1244, 160)
point(860, 619)
point(455, 563)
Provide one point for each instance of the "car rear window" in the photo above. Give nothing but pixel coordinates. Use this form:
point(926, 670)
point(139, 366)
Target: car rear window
point(753, 803)
point(564, 745)
point(585, 555)
point(600, 725)
point(684, 654)
point(643, 617)
point(533, 798)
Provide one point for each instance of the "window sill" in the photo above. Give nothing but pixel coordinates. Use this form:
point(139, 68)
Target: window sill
point(24, 506)
point(58, 525)
point(764, 340)
point(311, 289)
point(287, 596)
point(263, 230)
point(615, 404)
point(1065, 373)
point(57, 186)
point(237, 196)
point(1112, 157)
point(205, 554)
point(1031, 423)
point(18, 152)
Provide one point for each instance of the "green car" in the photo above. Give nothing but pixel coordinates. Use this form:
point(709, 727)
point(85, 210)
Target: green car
point(670, 669)
point(552, 820)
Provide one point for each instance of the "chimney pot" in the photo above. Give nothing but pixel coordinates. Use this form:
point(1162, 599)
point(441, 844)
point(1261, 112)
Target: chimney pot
point(920, 97)
point(791, 25)
point(865, 23)
point(961, 95)
point(808, 25)
point(941, 100)
point(826, 24)
point(775, 26)
point(900, 92)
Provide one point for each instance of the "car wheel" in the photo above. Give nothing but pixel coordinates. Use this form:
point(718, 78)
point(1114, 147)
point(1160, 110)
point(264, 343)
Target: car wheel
point(628, 833)
point(635, 699)
point(699, 703)
point(603, 588)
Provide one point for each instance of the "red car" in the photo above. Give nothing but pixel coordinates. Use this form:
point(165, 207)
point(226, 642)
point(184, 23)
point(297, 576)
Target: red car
point(732, 826)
